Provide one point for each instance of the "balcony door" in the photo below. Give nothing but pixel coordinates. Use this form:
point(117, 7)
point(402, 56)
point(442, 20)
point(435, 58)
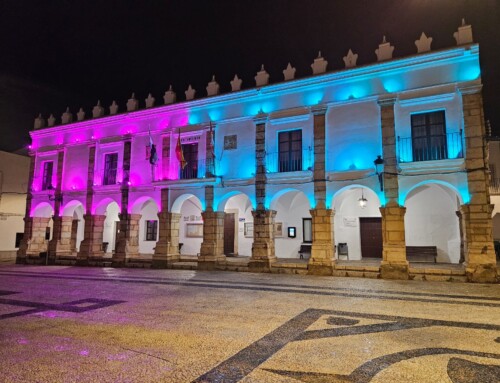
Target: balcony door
point(110, 168)
point(290, 151)
point(190, 152)
point(428, 135)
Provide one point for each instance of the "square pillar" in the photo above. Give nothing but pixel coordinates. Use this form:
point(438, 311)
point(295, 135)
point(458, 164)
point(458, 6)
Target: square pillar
point(212, 247)
point(322, 250)
point(34, 241)
point(263, 252)
point(127, 245)
point(167, 247)
point(394, 264)
point(91, 246)
point(60, 244)
point(74, 235)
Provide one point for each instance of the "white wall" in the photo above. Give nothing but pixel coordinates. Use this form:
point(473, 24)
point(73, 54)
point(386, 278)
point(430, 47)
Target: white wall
point(14, 171)
point(242, 205)
point(291, 207)
point(78, 214)
point(347, 214)
point(109, 234)
point(149, 212)
point(190, 213)
point(430, 220)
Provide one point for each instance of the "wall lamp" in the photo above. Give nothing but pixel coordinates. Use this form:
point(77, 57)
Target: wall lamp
point(53, 196)
point(379, 163)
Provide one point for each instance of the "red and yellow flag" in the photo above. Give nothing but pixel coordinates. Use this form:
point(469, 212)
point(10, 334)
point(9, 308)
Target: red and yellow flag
point(179, 153)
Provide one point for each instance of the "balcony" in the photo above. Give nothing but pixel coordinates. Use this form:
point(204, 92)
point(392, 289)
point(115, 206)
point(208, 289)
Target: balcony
point(293, 161)
point(431, 148)
point(201, 168)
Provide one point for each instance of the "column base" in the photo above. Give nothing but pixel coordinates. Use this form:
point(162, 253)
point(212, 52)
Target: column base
point(164, 261)
point(20, 260)
point(208, 263)
point(320, 269)
point(390, 270)
point(261, 265)
point(482, 273)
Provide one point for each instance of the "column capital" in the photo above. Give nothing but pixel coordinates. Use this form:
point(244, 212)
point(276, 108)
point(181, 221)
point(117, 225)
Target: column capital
point(386, 101)
point(260, 118)
point(319, 110)
point(470, 89)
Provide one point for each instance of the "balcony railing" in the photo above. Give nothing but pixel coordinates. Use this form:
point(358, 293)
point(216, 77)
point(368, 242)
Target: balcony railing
point(109, 177)
point(432, 148)
point(289, 161)
point(495, 186)
point(198, 169)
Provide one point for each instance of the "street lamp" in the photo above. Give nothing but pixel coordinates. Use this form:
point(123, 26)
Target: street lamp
point(379, 163)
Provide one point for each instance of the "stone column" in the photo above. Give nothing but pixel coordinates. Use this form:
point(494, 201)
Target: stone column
point(263, 252)
point(394, 264)
point(60, 244)
point(28, 221)
point(74, 235)
point(165, 157)
point(127, 245)
point(322, 250)
point(479, 250)
point(36, 243)
point(210, 156)
point(57, 221)
point(212, 247)
point(91, 246)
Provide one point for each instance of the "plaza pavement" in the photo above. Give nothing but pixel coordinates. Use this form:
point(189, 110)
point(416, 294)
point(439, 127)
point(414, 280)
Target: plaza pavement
point(71, 324)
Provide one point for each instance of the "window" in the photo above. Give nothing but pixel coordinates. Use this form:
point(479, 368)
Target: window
point(307, 230)
point(47, 175)
point(290, 151)
point(190, 152)
point(151, 230)
point(428, 136)
point(19, 237)
point(110, 168)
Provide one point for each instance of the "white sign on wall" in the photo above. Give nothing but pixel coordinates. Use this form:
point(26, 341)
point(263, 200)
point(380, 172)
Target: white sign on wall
point(350, 222)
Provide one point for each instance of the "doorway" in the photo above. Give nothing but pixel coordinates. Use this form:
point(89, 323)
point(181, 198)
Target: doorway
point(371, 237)
point(229, 233)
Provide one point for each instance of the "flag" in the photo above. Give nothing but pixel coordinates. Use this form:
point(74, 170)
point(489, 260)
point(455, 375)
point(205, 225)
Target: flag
point(153, 156)
point(212, 141)
point(179, 153)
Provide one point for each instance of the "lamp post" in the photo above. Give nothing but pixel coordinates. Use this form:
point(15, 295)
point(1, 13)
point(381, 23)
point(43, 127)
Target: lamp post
point(379, 163)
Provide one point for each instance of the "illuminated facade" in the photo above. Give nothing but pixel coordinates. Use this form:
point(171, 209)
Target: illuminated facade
point(264, 164)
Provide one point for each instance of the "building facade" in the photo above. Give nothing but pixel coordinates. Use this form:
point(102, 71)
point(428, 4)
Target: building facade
point(368, 162)
point(14, 170)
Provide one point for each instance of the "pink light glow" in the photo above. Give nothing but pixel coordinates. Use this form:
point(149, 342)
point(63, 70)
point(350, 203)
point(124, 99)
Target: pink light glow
point(84, 352)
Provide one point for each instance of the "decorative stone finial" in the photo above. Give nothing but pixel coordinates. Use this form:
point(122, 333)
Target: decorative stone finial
point(39, 122)
point(350, 59)
point(384, 51)
point(67, 117)
point(113, 108)
point(464, 34)
point(319, 64)
point(51, 120)
point(169, 97)
point(212, 87)
point(190, 92)
point(423, 43)
point(289, 72)
point(236, 83)
point(80, 116)
point(262, 77)
point(132, 103)
point(98, 110)
point(150, 101)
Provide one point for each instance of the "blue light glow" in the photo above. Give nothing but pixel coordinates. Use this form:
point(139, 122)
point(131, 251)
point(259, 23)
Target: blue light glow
point(313, 98)
point(469, 71)
point(392, 85)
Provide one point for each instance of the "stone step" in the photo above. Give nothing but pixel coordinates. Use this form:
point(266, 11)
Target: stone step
point(185, 265)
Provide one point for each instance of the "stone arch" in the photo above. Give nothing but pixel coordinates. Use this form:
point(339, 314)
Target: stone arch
point(443, 184)
point(42, 210)
point(147, 208)
point(179, 201)
point(101, 206)
point(350, 219)
point(221, 204)
point(70, 207)
point(431, 219)
point(140, 202)
point(275, 198)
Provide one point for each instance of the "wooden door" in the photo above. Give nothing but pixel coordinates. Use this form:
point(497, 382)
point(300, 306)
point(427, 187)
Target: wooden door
point(371, 237)
point(229, 233)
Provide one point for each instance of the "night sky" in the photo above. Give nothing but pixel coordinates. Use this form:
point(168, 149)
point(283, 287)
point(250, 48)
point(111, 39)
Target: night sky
point(56, 54)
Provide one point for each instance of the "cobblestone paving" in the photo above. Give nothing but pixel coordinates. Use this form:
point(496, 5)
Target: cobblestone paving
point(69, 324)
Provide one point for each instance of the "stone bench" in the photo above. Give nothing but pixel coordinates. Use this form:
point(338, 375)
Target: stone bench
point(421, 254)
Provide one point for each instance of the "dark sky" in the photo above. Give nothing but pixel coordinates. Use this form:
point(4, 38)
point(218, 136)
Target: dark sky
point(70, 53)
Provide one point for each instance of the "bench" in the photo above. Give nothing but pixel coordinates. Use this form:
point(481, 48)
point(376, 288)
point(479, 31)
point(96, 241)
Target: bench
point(421, 253)
point(305, 248)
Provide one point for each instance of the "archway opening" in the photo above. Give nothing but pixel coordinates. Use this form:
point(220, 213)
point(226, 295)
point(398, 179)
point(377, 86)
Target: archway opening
point(43, 226)
point(75, 210)
point(292, 211)
point(111, 227)
point(148, 224)
point(431, 223)
point(357, 224)
point(238, 225)
point(191, 223)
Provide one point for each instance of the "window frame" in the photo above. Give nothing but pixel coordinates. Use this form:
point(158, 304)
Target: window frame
point(304, 230)
point(290, 159)
point(106, 179)
point(151, 232)
point(46, 178)
point(432, 145)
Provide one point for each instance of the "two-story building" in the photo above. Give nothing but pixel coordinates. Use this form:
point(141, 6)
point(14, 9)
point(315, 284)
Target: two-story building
point(365, 162)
